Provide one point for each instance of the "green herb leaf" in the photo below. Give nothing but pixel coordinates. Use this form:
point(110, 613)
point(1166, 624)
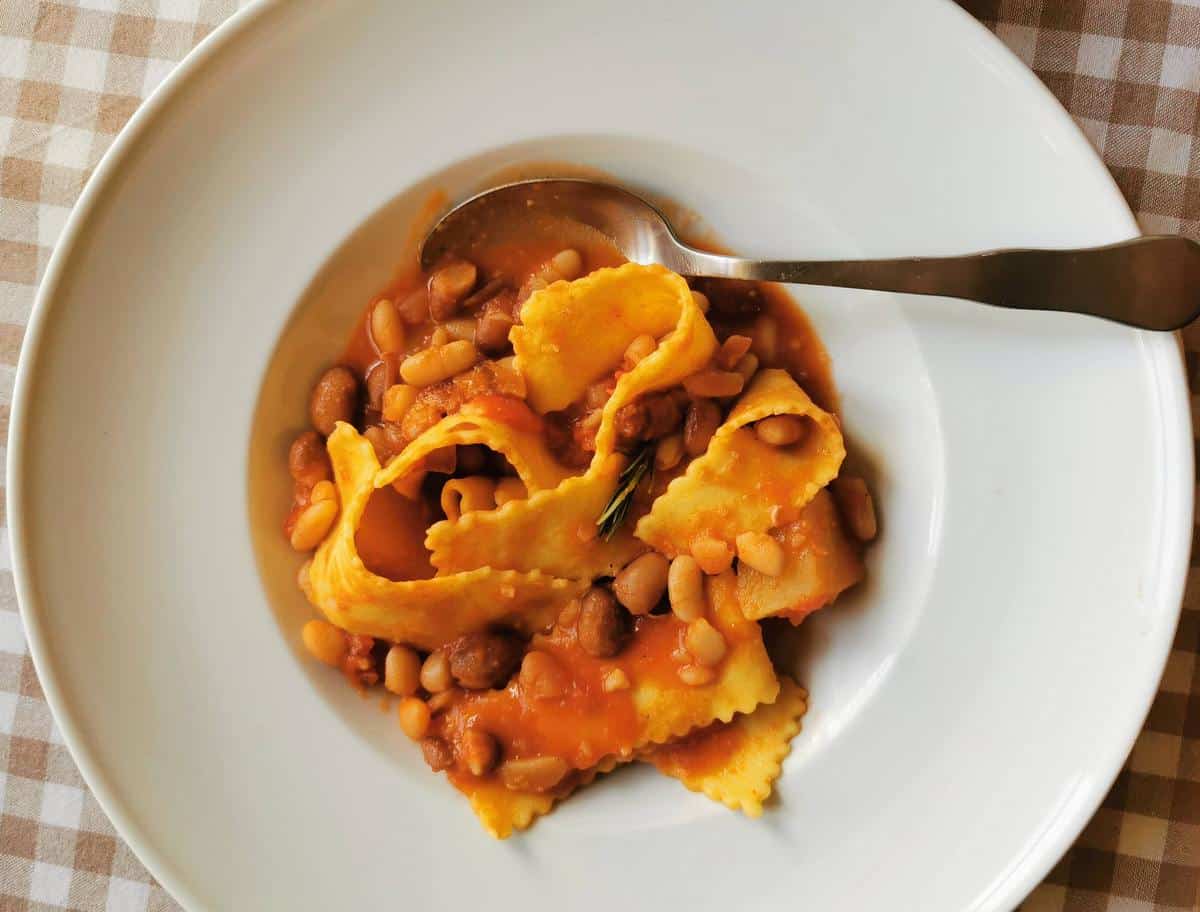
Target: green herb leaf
point(614, 514)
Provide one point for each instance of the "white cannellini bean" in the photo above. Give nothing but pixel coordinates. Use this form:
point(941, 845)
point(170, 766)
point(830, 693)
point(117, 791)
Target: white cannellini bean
point(438, 362)
point(705, 642)
point(761, 552)
point(685, 588)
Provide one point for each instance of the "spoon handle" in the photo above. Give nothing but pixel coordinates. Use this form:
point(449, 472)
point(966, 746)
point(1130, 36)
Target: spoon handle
point(1148, 282)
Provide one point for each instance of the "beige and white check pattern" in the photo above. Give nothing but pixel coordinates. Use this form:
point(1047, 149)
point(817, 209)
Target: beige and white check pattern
point(72, 73)
point(1129, 72)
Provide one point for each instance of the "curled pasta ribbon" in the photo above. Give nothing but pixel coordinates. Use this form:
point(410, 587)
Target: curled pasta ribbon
point(737, 763)
point(466, 495)
point(525, 450)
point(571, 335)
point(741, 484)
point(574, 333)
point(425, 613)
point(553, 530)
point(503, 811)
point(820, 561)
point(510, 489)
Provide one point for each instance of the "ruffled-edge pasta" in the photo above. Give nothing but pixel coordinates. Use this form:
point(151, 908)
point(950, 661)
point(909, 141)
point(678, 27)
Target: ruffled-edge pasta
point(737, 763)
point(741, 484)
point(525, 450)
point(588, 725)
point(820, 562)
point(553, 530)
point(573, 333)
point(503, 811)
point(425, 613)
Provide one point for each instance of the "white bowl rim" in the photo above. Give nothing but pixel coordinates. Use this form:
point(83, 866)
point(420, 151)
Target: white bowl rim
point(1160, 348)
point(109, 165)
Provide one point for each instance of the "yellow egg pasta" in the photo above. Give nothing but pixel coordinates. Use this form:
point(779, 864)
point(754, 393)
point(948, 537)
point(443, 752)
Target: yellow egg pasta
point(820, 561)
point(423, 612)
point(553, 531)
point(746, 677)
point(662, 705)
point(503, 811)
point(737, 763)
point(601, 730)
point(574, 333)
point(671, 712)
point(525, 450)
point(741, 484)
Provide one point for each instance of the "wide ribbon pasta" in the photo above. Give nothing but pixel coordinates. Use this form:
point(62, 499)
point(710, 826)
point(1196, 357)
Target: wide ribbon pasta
point(503, 811)
point(820, 562)
point(741, 484)
point(553, 531)
point(425, 613)
point(525, 450)
point(589, 726)
point(574, 333)
point(571, 331)
point(736, 763)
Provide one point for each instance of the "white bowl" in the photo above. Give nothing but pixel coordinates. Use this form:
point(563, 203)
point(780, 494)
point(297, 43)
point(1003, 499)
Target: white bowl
point(970, 705)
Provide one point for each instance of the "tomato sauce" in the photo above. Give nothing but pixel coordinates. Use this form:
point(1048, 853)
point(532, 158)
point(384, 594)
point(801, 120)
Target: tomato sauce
point(391, 536)
point(586, 723)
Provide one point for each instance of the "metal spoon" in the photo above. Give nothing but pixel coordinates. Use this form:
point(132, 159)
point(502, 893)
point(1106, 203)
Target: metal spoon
point(1148, 282)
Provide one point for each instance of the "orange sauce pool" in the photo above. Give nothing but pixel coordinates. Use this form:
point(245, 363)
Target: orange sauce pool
point(391, 535)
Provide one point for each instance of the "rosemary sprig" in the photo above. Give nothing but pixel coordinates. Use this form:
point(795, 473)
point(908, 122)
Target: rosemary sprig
point(618, 507)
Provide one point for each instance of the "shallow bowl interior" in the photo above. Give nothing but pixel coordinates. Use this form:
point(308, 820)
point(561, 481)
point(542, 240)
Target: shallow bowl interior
point(970, 705)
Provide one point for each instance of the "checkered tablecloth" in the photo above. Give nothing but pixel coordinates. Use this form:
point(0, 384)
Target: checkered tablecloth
point(71, 73)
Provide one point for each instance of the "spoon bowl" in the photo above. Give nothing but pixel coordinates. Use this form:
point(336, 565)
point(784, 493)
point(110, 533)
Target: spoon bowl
point(638, 229)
